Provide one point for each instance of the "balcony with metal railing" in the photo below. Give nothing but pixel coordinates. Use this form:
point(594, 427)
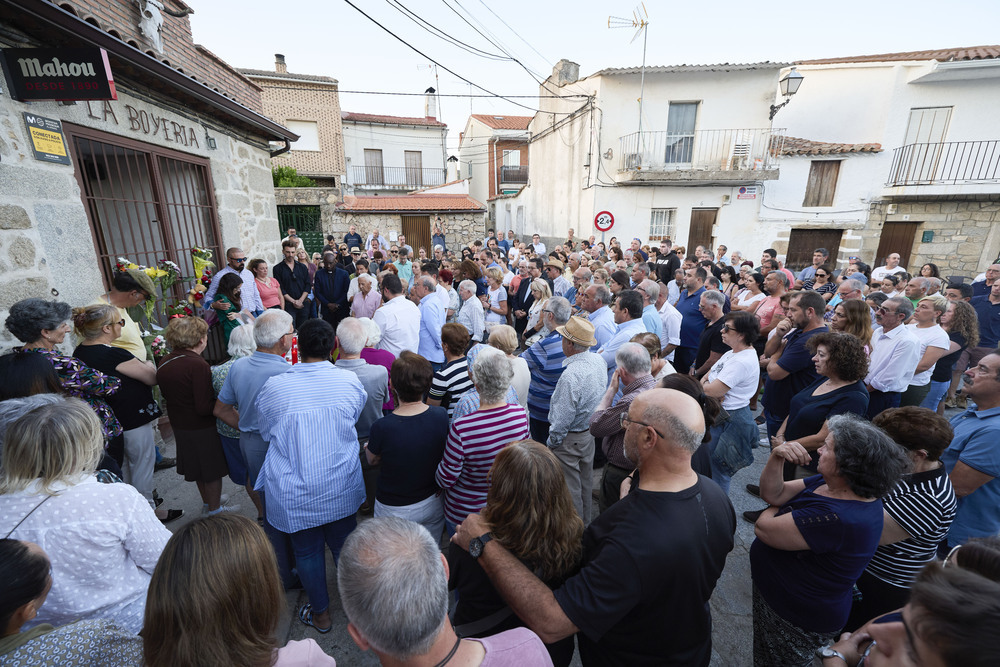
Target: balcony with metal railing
point(729, 156)
point(395, 178)
point(951, 163)
point(516, 175)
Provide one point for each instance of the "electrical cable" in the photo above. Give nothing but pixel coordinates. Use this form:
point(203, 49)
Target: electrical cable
point(437, 32)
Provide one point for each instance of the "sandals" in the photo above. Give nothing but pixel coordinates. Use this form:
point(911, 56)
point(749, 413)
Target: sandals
point(172, 515)
point(306, 616)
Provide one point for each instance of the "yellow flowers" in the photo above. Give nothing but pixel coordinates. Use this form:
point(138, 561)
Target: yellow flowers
point(154, 273)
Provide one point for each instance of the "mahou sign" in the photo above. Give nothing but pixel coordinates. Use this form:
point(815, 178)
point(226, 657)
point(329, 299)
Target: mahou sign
point(58, 74)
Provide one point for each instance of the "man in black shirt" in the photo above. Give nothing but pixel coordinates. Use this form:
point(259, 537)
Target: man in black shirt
point(293, 278)
point(710, 345)
point(667, 262)
point(650, 563)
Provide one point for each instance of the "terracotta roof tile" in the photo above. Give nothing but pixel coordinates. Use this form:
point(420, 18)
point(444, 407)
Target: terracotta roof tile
point(504, 122)
point(797, 146)
point(941, 55)
point(389, 120)
point(412, 202)
point(251, 73)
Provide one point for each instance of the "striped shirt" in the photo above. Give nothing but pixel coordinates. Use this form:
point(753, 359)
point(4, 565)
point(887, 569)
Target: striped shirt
point(449, 383)
point(473, 442)
point(545, 362)
point(924, 505)
point(469, 402)
point(311, 474)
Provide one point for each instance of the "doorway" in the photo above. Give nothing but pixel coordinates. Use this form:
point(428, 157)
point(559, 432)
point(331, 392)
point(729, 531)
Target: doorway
point(896, 237)
point(702, 224)
point(802, 243)
point(417, 229)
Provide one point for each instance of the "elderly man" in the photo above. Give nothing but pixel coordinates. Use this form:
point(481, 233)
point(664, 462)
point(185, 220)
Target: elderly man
point(582, 276)
point(632, 376)
point(398, 319)
point(973, 458)
point(648, 570)
point(628, 316)
point(382, 241)
point(594, 302)
point(916, 290)
point(891, 267)
point(650, 292)
point(236, 262)
point(330, 290)
point(352, 239)
point(545, 362)
point(894, 356)
point(710, 344)
point(393, 585)
point(293, 237)
point(982, 287)
point(576, 395)
point(847, 290)
point(671, 319)
point(554, 273)
point(432, 318)
point(361, 266)
point(520, 300)
point(312, 474)
point(692, 321)
point(640, 272)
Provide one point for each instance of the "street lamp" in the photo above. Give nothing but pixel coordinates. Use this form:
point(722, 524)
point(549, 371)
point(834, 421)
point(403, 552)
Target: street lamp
point(789, 86)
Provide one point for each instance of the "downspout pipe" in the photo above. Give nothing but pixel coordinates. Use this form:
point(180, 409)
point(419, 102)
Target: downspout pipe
point(287, 147)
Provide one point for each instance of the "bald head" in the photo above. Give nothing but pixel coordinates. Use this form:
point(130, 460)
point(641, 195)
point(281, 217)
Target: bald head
point(672, 413)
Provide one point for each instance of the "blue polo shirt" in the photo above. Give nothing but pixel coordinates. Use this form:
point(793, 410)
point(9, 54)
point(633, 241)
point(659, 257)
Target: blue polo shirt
point(989, 320)
point(797, 361)
point(545, 362)
point(245, 380)
point(976, 444)
point(692, 321)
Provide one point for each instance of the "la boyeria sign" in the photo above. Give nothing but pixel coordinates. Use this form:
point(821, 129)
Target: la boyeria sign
point(58, 74)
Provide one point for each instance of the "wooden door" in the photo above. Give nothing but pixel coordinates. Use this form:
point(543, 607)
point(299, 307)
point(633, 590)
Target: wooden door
point(413, 161)
point(417, 229)
point(802, 243)
point(700, 232)
point(896, 237)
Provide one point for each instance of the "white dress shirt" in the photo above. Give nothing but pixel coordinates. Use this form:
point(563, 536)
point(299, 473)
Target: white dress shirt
point(625, 332)
point(473, 317)
point(673, 292)
point(399, 321)
point(249, 297)
point(671, 318)
point(894, 358)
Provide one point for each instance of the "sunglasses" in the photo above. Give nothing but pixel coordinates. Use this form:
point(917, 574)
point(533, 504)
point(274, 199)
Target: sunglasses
point(822, 275)
point(121, 322)
point(726, 328)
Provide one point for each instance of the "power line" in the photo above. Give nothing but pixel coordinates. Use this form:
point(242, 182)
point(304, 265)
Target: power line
point(437, 32)
point(514, 31)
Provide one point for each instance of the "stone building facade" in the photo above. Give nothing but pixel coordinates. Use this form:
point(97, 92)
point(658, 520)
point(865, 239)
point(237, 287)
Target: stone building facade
point(169, 165)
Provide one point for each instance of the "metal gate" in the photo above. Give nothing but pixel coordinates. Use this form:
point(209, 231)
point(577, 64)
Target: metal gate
point(144, 202)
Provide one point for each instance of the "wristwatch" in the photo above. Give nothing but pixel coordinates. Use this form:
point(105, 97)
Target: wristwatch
point(476, 544)
point(824, 652)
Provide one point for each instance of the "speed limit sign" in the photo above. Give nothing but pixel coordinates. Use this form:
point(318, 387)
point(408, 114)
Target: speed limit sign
point(604, 221)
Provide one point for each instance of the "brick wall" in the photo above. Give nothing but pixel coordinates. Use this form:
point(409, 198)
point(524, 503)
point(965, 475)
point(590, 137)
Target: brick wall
point(120, 18)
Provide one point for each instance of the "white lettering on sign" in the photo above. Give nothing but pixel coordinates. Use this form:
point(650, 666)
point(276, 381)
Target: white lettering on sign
point(32, 67)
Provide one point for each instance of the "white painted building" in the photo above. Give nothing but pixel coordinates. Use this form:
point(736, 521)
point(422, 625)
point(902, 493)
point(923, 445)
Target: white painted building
point(493, 156)
point(394, 154)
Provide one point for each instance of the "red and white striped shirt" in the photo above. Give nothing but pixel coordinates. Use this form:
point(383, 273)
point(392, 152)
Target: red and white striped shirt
point(473, 442)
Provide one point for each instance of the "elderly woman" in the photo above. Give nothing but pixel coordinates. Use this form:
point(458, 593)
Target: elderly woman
point(101, 558)
point(446, 278)
point(934, 344)
point(536, 328)
point(475, 439)
point(231, 602)
point(41, 325)
point(660, 367)
point(918, 513)
point(817, 538)
point(468, 402)
point(504, 338)
point(367, 300)
point(241, 344)
point(733, 381)
point(471, 315)
point(185, 380)
point(530, 512)
point(373, 355)
point(408, 444)
point(133, 405)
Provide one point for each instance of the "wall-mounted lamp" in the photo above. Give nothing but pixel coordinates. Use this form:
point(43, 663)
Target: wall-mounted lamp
point(209, 141)
point(789, 86)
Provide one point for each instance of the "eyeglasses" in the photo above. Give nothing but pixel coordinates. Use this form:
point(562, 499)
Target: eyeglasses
point(121, 322)
point(726, 328)
point(623, 418)
point(546, 310)
point(238, 260)
point(884, 310)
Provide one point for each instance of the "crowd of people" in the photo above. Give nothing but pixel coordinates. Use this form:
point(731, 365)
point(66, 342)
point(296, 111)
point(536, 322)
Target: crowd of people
point(465, 397)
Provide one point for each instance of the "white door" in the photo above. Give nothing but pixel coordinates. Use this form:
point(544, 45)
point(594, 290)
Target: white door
point(923, 144)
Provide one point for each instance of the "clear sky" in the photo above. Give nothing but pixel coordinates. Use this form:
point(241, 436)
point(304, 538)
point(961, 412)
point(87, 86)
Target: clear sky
point(331, 38)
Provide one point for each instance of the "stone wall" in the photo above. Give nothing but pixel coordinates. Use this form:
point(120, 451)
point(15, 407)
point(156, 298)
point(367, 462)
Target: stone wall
point(966, 233)
point(462, 227)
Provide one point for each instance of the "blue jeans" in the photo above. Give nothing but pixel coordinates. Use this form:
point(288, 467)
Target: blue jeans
point(935, 395)
point(310, 557)
point(718, 476)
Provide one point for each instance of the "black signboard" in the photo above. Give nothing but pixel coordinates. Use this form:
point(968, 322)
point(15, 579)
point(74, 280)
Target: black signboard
point(58, 74)
point(47, 139)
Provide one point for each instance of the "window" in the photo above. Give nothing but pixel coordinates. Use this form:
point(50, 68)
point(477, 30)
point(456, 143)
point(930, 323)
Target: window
point(512, 158)
point(308, 131)
point(680, 131)
point(661, 223)
point(413, 160)
point(822, 183)
point(373, 167)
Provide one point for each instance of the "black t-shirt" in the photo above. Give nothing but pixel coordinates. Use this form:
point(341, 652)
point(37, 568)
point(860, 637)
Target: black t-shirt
point(650, 564)
point(946, 364)
point(133, 404)
point(411, 448)
point(710, 341)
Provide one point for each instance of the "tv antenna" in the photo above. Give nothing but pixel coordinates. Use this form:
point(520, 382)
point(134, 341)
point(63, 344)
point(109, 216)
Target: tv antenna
point(639, 21)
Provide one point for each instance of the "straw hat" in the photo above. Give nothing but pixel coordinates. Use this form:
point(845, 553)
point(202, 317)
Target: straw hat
point(579, 331)
point(556, 264)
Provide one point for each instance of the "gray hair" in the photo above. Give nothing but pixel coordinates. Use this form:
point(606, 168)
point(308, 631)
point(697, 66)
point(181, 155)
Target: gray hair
point(367, 277)
point(781, 276)
point(374, 333)
point(603, 294)
point(352, 335)
point(867, 458)
point(28, 317)
point(681, 435)
point(468, 285)
point(586, 274)
point(715, 298)
point(642, 266)
point(854, 285)
point(651, 288)
point(903, 305)
point(270, 327)
point(920, 282)
point(14, 408)
point(738, 254)
point(561, 310)
point(241, 341)
point(491, 375)
point(393, 586)
point(634, 359)
point(428, 283)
